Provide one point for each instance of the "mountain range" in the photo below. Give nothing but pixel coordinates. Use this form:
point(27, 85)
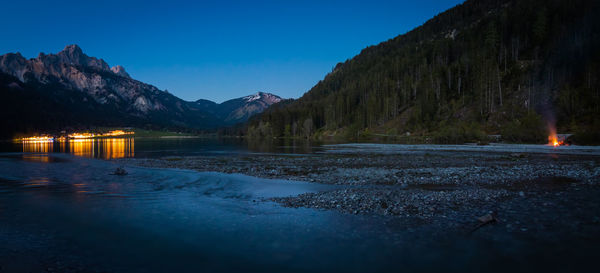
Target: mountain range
point(71, 89)
point(519, 68)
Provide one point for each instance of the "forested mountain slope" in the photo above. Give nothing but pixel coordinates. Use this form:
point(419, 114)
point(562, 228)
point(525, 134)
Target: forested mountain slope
point(486, 66)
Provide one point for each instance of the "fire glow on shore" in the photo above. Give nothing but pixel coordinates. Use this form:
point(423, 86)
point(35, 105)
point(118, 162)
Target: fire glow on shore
point(554, 140)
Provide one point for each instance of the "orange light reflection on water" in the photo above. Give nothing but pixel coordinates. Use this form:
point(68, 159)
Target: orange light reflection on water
point(82, 147)
point(38, 146)
point(117, 147)
point(36, 158)
point(105, 148)
point(37, 182)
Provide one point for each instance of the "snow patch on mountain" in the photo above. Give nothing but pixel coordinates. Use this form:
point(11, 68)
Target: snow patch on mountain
point(240, 109)
point(267, 97)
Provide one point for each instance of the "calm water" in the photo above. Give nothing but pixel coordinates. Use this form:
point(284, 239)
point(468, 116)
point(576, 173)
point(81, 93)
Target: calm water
point(110, 148)
point(60, 203)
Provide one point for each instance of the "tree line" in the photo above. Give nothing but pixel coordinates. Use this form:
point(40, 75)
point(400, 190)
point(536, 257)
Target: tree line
point(488, 66)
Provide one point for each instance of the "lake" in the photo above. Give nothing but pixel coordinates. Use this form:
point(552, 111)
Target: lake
point(61, 209)
point(59, 202)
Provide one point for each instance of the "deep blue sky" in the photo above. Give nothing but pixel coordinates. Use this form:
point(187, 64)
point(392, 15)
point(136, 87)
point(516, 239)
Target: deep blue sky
point(215, 50)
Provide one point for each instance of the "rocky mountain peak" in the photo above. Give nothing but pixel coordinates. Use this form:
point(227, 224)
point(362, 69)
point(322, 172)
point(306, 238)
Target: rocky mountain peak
point(72, 54)
point(77, 71)
point(84, 88)
point(119, 70)
point(11, 57)
point(66, 65)
point(14, 64)
point(72, 50)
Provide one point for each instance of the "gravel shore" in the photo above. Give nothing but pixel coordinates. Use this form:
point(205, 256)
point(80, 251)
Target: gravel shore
point(423, 184)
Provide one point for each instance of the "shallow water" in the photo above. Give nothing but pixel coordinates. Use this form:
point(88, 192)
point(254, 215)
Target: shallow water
point(154, 220)
point(58, 206)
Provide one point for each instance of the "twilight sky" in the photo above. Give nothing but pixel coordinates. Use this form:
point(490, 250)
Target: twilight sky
point(214, 50)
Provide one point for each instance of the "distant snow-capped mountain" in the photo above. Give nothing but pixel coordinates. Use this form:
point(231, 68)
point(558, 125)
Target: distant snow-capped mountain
point(240, 109)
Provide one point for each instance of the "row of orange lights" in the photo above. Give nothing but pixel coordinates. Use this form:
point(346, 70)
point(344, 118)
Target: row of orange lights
point(91, 135)
point(38, 139)
point(76, 136)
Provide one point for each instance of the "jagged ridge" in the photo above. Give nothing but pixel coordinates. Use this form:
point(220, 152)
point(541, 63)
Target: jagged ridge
point(105, 91)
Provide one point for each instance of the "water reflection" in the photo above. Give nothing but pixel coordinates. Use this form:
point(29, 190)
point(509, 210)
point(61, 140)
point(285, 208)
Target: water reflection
point(37, 182)
point(82, 147)
point(36, 158)
point(105, 148)
point(38, 146)
point(117, 147)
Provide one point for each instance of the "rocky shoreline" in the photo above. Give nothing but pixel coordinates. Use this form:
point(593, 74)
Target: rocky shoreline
point(426, 184)
point(531, 200)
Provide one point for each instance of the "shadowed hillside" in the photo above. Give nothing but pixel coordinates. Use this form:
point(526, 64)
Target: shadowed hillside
point(514, 68)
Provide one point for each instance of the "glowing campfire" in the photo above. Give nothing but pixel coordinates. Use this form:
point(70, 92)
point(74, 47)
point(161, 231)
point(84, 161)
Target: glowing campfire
point(554, 139)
